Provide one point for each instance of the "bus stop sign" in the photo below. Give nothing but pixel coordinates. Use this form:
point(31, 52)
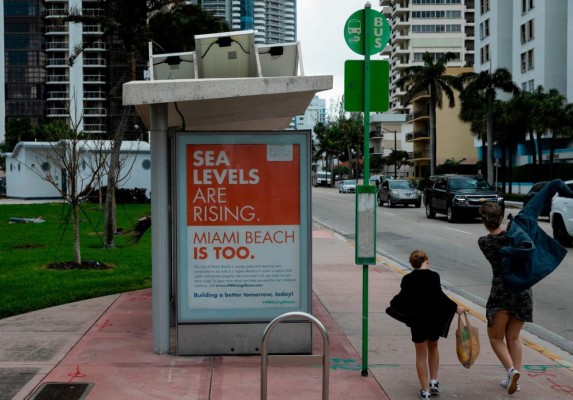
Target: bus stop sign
point(376, 40)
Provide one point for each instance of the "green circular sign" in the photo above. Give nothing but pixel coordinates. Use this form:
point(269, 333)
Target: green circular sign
point(355, 32)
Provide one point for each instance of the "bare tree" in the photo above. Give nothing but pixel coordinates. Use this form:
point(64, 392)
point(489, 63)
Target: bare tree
point(69, 165)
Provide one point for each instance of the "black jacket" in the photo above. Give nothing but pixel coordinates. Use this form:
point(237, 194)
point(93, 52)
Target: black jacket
point(421, 302)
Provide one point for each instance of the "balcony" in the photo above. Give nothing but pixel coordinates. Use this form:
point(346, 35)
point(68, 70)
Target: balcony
point(57, 46)
point(92, 29)
point(94, 128)
point(57, 29)
point(55, 13)
point(94, 62)
point(52, 79)
point(56, 62)
point(421, 155)
point(95, 112)
point(420, 114)
point(94, 95)
point(58, 95)
point(98, 46)
point(93, 12)
point(423, 95)
point(410, 137)
point(94, 79)
point(57, 112)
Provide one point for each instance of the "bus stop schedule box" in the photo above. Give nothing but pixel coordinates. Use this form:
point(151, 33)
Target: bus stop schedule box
point(243, 240)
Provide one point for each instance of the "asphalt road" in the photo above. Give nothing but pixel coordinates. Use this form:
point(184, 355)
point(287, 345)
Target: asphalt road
point(454, 253)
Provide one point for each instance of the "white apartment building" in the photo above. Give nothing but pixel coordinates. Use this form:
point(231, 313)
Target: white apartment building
point(420, 26)
point(315, 113)
point(274, 21)
point(533, 39)
point(82, 85)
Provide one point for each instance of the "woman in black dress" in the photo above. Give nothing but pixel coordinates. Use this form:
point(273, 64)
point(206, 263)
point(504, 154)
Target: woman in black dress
point(506, 312)
point(426, 309)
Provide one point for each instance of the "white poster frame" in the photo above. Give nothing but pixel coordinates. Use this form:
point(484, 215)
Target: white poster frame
point(202, 306)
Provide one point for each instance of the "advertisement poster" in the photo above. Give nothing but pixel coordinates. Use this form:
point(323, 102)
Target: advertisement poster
point(243, 227)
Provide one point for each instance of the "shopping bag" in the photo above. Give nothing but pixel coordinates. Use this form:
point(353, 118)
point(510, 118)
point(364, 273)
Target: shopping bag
point(467, 341)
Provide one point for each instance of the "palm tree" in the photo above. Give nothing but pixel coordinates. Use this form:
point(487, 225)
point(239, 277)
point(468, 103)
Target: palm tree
point(488, 83)
point(473, 111)
point(430, 77)
point(553, 117)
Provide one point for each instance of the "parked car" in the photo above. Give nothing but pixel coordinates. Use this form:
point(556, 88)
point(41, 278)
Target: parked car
point(347, 186)
point(377, 179)
point(561, 218)
point(532, 192)
point(398, 191)
point(458, 195)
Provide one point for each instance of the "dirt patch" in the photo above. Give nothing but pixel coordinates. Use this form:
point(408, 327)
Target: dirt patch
point(67, 265)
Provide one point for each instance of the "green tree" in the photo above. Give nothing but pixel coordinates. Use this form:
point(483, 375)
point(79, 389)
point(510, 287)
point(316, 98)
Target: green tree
point(487, 83)
point(473, 112)
point(430, 77)
point(171, 32)
point(18, 130)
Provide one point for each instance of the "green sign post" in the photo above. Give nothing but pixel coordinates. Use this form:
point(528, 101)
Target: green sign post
point(366, 32)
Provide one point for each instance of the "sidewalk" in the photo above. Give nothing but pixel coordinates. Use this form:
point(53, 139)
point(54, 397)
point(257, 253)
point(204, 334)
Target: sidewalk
point(107, 342)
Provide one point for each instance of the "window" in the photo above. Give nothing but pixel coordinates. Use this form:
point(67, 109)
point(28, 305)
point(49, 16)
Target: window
point(523, 62)
point(484, 53)
point(524, 86)
point(484, 29)
point(436, 28)
point(484, 6)
point(531, 84)
point(530, 59)
point(526, 5)
point(527, 31)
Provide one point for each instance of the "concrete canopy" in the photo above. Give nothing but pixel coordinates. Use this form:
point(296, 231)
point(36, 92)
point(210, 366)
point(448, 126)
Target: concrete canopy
point(227, 103)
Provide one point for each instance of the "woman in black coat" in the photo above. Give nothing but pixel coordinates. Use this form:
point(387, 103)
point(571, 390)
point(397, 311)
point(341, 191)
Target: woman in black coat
point(426, 309)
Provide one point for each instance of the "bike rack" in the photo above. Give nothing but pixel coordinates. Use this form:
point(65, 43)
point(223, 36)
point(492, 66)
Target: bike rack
point(295, 359)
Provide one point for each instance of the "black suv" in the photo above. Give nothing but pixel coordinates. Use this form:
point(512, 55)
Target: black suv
point(458, 195)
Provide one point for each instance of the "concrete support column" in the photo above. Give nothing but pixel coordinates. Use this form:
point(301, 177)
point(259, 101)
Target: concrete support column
point(160, 227)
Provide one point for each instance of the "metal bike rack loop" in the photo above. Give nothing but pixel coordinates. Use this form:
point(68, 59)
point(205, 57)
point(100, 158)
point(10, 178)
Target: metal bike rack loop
point(295, 359)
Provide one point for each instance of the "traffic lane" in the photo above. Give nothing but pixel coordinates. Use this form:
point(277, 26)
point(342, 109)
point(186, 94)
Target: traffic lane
point(454, 253)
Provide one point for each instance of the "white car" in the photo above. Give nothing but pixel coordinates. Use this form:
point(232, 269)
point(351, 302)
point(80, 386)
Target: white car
point(347, 186)
point(561, 217)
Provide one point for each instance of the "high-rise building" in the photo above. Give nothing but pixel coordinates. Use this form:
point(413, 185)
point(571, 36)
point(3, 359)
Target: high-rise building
point(274, 21)
point(23, 61)
point(41, 82)
point(533, 39)
point(420, 26)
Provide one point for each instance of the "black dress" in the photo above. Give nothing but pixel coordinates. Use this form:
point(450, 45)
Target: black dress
point(520, 305)
point(424, 306)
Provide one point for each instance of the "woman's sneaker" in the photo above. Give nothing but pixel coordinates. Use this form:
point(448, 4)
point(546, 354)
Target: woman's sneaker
point(424, 395)
point(505, 382)
point(434, 387)
point(512, 379)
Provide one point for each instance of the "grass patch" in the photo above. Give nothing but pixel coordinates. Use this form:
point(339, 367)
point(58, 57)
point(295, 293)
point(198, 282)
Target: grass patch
point(27, 250)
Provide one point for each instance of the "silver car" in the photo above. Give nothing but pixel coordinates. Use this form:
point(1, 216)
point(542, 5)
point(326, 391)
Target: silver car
point(347, 186)
point(398, 191)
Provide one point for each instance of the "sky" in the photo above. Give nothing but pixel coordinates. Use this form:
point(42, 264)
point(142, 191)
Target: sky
point(320, 25)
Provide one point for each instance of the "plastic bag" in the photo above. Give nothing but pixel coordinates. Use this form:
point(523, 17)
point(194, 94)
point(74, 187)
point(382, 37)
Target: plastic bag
point(467, 342)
